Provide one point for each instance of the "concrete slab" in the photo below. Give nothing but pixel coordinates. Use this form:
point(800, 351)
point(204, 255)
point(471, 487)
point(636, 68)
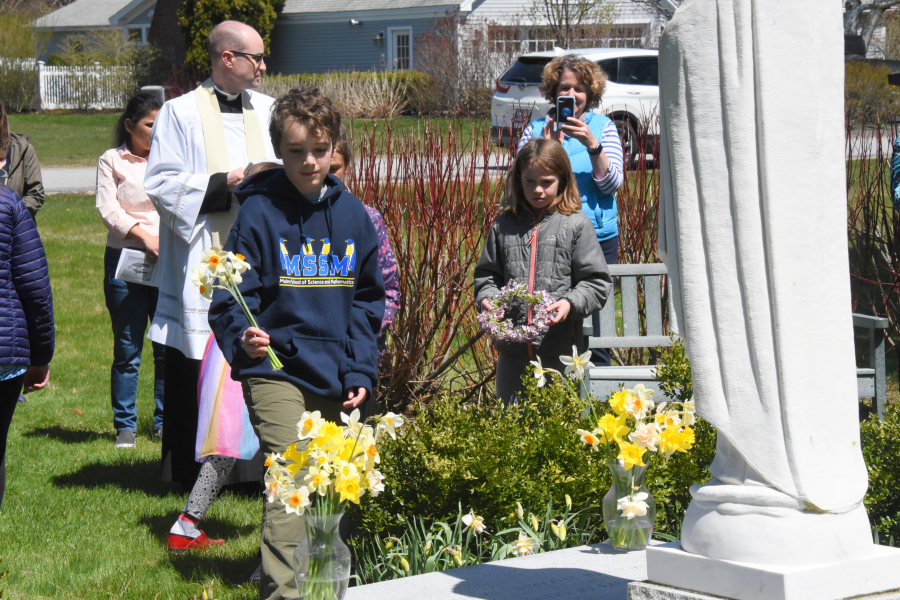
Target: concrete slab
point(596, 572)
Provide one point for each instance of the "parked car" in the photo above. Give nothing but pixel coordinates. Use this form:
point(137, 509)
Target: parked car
point(631, 98)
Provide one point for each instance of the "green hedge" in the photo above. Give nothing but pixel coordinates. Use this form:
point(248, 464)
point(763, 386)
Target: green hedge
point(881, 449)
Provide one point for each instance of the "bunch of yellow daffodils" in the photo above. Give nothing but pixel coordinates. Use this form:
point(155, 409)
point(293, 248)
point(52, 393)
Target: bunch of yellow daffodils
point(339, 463)
point(637, 425)
point(220, 270)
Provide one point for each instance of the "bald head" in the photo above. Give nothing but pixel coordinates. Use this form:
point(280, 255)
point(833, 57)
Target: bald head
point(236, 51)
point(229, 35)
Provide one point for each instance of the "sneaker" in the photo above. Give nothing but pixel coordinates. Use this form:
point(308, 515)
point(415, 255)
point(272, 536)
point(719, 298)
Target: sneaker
point(180, 543)
point(22, 398)
point(125, 439)
point(257, 574)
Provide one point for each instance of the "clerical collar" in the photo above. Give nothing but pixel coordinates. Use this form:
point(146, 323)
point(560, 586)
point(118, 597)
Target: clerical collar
point(229, 97)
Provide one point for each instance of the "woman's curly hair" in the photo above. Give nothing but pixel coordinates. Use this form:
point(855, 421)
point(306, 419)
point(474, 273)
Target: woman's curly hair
point(587, 71)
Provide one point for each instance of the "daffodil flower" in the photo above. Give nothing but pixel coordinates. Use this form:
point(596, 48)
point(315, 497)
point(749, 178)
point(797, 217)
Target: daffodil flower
point(645, 435)
point(576, 362)
point(640, 402)
point(588, 438)
point(202, 281)
point(520, 512)
point(631, 454)
point(568, 502)
point(296, 500)
point(309, 425)
point(389, 424)
point(474, 522)
point(633, 506)
point(352, 422)
point(524, 545)
point(539, 372)
point(215, 261)
point(614, 428)
point(375, 482)
point(317, 480)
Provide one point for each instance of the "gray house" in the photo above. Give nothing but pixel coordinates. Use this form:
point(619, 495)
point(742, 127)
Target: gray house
point(73, 24)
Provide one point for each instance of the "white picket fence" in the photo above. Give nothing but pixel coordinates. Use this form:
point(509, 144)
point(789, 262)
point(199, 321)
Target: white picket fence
point(84, 87)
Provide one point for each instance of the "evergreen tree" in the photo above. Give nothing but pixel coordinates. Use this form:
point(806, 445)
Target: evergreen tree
point(198, 17)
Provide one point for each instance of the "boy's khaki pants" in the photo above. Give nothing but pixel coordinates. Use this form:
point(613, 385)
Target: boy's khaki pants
point(275, 407)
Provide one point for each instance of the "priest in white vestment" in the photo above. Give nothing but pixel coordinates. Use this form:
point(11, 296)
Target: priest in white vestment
point(201, 143)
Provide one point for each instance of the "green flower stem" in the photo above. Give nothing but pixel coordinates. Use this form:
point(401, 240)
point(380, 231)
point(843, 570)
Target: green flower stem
point(236, 294)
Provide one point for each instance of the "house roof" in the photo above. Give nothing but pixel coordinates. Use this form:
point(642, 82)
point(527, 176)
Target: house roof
point(83, 13)
point(334, 6)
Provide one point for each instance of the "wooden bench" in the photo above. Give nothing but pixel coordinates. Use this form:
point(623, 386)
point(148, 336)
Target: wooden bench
point(601, 332)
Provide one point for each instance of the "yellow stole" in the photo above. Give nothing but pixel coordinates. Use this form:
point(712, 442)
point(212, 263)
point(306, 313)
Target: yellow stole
point(214, 129)
point(214, 141)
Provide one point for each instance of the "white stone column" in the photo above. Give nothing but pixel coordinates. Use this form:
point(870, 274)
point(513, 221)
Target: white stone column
point(753, 228)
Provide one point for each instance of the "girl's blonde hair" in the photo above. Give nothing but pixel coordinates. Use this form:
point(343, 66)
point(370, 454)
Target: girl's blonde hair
point(546, 155)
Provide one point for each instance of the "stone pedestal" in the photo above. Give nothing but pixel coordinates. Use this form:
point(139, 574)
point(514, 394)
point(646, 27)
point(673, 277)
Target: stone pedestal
point(674, 574)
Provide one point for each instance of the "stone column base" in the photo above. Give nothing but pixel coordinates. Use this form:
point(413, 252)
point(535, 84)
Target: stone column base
point(644, 590)
point(674, 574)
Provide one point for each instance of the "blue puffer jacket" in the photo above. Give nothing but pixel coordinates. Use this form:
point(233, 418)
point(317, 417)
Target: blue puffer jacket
point(27, 333)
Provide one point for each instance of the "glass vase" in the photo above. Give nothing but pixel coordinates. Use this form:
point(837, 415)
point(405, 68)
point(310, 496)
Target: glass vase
point(321, 560)
point(628, 529)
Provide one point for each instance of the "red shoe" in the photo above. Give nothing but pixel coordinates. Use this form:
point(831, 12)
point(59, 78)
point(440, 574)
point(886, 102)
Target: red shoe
point(180, 543)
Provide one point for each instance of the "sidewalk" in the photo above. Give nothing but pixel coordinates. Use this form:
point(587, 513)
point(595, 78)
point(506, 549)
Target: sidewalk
point(76, 180)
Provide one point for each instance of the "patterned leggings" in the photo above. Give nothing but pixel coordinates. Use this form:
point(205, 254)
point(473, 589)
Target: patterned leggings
point(213, 473)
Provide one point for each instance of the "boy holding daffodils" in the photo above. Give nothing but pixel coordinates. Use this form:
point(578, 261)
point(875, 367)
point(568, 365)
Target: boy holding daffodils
point(316, 291)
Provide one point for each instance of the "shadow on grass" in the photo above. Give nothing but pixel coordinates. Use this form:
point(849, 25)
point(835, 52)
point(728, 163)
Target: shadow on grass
point(141, 475)
point(197, 565)
point(68, 436)
point(159, 526)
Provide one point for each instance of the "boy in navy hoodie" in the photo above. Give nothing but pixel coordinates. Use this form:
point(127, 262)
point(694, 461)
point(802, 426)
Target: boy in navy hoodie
point(317, 294)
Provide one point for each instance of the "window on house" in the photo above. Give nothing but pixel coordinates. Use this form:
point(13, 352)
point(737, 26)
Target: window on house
point(135, 36)
point(515, 38)
point(628, 35)
point(76, 44)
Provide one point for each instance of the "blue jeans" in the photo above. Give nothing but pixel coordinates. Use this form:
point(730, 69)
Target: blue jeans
point(610, 248)
point(131, 307)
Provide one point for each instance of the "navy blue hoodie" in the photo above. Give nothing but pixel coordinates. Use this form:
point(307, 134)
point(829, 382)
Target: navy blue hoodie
point(313, 285)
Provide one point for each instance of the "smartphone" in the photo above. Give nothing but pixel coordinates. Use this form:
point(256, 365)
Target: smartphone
point(565, 108)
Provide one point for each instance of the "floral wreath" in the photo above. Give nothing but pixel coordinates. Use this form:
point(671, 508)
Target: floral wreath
point(504, 330)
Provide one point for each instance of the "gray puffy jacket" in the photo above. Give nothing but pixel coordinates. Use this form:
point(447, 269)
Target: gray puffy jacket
point(569, 265)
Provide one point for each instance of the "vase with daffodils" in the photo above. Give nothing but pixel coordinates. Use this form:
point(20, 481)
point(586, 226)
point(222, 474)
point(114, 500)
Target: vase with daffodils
point(627, 434)
point(329, 465)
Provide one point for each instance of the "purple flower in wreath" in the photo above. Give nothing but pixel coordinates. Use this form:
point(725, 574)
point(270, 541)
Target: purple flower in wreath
point(512, 296)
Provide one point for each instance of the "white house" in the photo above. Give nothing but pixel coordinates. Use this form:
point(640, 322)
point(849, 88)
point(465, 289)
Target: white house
point(72, 24)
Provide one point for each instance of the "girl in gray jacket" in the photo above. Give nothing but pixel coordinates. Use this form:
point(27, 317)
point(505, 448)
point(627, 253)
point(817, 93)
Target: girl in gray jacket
point(543, 239)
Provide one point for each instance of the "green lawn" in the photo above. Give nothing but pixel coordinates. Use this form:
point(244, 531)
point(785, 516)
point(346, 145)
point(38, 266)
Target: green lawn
point(67, 140)
point(82, 520)
point(79, 140)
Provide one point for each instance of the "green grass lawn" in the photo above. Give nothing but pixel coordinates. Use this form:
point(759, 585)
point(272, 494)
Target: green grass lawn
point(67, 140)
point(82, 520)
point(79, 140)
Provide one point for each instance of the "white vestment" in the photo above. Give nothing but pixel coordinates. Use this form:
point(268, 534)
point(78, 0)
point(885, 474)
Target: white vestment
point(176, 181)
point(753, 228)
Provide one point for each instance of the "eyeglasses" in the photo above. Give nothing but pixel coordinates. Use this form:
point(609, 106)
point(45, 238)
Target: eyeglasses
point(257, 58)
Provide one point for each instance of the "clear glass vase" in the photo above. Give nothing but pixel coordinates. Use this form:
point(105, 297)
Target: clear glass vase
point(321, 560)
point(628, 486)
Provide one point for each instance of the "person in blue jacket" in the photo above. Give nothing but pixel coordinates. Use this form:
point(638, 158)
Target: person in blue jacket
point(594, 148)
point(895, 174)
point(27, 333)
point(315, 289)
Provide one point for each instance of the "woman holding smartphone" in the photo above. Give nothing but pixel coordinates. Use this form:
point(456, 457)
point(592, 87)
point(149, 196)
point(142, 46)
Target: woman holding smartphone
point(592, 143)
point(132, 221)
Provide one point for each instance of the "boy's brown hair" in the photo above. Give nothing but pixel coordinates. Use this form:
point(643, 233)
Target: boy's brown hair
point(254, 168)
point(307, 107)
point(549, 156)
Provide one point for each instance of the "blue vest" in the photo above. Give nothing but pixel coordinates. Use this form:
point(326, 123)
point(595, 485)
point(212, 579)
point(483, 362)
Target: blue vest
point(600, 208)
